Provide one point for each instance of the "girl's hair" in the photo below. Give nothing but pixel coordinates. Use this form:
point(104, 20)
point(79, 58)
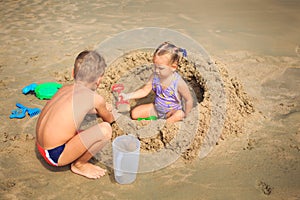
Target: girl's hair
point(171, 49)
point(88, 66)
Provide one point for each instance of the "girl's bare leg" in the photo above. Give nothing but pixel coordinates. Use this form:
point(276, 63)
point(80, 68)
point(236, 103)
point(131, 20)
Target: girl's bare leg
point(82, 147)
point(175, 116)
point(143, 111)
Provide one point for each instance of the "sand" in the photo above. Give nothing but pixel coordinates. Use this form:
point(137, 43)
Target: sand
point(255, 49)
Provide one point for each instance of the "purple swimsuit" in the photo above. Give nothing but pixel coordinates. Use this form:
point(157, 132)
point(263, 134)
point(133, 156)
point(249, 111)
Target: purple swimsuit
point(166, 100)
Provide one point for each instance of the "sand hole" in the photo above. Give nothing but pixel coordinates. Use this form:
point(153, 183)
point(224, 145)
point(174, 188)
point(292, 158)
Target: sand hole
point(133, 70)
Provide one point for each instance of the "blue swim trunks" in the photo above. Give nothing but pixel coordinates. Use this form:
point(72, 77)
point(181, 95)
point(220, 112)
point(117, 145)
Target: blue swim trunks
point(51, 156)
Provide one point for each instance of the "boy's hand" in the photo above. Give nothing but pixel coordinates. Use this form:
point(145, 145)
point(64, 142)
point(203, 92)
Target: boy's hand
point(109, 107)
point(116, 114)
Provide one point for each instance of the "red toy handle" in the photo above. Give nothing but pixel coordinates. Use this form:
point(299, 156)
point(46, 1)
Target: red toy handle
point(121, 101)
point(117, 88)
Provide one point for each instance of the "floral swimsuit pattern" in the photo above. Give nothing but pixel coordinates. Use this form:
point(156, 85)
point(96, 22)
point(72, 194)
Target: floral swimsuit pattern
point(167, 99)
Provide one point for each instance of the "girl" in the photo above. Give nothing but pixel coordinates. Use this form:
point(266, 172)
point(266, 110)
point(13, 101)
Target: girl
point(168, 86)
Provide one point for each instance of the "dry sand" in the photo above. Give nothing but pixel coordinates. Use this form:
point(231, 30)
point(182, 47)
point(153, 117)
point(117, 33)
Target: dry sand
point(256, 50)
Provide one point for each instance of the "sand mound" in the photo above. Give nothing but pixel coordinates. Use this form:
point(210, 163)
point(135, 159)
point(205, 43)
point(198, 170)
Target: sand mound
point(185, 138)
point(133, 70)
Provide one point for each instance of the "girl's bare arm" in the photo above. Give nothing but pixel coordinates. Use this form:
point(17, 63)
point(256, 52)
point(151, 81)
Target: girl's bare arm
point(142, 92)
point(184, 91)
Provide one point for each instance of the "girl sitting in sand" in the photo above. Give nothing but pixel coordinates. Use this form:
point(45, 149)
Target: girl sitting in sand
point(168, 86)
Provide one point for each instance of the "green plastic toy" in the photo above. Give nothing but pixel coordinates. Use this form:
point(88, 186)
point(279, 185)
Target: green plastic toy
point(47, 90)
point(147, 118)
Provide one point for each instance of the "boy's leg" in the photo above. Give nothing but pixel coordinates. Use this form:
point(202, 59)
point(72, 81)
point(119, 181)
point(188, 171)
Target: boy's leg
point(82, 147)
point(143, 111)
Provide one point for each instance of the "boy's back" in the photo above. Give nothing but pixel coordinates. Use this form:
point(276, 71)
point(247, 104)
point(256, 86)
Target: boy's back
point(56, 122)
point(61, 117)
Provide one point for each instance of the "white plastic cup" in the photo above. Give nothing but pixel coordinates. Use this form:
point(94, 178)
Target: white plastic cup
point(126, 151)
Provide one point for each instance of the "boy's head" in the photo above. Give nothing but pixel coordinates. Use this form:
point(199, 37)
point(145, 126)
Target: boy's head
point(170, 51)
point(88, 66)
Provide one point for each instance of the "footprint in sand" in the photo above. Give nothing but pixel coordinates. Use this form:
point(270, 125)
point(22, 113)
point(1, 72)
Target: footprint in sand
point(264, 187)
point(250, 144)
point(7, 185)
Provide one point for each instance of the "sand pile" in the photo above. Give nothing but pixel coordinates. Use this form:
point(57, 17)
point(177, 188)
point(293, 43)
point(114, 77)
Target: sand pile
point(133, 70)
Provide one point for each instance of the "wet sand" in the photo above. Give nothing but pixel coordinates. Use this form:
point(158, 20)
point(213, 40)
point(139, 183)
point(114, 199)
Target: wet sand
point(257, 44)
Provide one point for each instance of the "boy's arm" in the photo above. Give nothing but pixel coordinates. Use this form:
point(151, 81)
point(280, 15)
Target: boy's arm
point(101, 109)
point(184, 91)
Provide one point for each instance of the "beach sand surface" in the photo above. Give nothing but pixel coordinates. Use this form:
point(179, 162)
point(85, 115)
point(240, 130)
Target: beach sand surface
point(256, 43)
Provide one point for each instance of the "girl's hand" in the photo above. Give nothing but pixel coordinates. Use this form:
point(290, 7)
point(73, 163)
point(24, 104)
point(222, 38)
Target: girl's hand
point(126, 96)
point(170, 113)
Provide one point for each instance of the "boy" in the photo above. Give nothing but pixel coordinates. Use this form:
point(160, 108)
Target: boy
point(57, 132)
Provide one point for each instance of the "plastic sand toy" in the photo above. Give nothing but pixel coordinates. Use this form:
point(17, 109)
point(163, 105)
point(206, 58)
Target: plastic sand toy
point(31, 111)
point(29, 88)
point(147, 118)
point(18, 113)
point(47, 90)
point(21, 110)
point(121, 104)
point(44, 90)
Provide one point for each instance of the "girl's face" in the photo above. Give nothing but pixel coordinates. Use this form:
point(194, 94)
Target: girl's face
point(162, 66)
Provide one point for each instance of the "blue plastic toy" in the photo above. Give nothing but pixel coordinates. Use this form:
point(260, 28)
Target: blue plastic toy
point(31, 111)
point(18, 113)
point(29, 88)
point(21, 110)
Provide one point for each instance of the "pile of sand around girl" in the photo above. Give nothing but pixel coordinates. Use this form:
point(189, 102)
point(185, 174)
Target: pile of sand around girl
point(133, 70)
point(185, 138)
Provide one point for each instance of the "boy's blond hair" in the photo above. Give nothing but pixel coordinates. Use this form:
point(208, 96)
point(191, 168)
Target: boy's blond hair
point(88, 66)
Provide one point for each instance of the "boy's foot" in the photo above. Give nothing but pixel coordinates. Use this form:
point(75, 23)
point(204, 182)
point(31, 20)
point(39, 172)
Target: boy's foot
point(88, 170)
